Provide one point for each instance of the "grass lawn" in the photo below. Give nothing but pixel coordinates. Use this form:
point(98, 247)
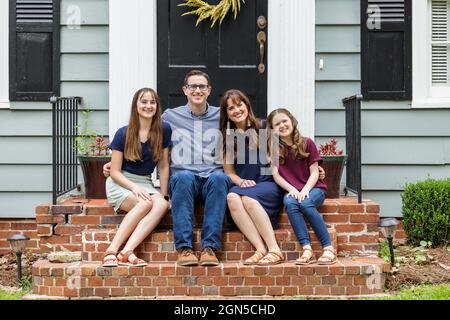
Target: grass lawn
point(424, 292)
point(12, 295)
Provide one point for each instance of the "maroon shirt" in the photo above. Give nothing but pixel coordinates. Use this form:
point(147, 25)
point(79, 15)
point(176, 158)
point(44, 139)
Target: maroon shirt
point(296, 172)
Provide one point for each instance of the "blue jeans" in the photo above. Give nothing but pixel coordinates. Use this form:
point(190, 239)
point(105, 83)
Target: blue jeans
point(185, 187)
point(297, 211)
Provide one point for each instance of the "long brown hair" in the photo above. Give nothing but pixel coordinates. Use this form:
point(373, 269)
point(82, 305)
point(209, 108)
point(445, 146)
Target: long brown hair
point(299, 146)
point(133, 150)
point(236, 96)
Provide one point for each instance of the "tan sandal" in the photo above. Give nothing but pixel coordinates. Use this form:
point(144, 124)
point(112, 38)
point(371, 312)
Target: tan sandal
point(124, 260)
point(111, 262)
point(325, 260)
point(271, 258)
point(255, 258)
point(304, 259)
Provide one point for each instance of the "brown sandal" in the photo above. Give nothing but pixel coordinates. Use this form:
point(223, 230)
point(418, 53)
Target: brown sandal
point(303, 260)
point(324, 260)
point(271, 258)
point(111, 262)
point(255, 258)
point(124, 260)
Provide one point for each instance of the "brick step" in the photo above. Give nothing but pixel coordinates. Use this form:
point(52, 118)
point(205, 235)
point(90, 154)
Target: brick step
point(349, 277)
point(59, 227)
point(159, 246)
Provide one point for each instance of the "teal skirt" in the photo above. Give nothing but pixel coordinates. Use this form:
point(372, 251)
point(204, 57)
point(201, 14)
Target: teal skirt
point(117, 194)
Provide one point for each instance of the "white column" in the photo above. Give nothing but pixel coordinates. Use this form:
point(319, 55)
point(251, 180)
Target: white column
point(132, 55)
point(291, 61)
point(4, 53)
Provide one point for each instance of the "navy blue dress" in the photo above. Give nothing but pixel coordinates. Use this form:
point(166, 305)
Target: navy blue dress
point(266, 191)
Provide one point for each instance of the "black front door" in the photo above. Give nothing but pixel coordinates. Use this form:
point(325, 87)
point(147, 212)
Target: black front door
point(230, 53)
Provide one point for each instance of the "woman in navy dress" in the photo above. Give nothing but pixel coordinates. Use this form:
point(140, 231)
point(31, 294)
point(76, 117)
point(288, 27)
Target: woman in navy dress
point(255, 200)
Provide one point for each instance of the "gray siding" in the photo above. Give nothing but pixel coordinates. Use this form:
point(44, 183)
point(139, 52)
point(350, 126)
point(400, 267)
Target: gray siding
point(25, 129)
point(399, 144)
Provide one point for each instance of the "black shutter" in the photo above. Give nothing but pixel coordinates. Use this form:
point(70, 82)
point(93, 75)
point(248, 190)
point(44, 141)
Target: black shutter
point(386, 52)
point(34, 49)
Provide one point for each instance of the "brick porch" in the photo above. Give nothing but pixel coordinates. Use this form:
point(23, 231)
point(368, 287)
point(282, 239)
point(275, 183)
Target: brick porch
point(88, 227)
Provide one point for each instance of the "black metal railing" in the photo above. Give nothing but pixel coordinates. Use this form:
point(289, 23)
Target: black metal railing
point(353, 144)
point(65, 131)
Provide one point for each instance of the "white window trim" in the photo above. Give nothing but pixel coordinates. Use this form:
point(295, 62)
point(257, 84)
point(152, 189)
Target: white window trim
point(423, 95)
point(4, 54)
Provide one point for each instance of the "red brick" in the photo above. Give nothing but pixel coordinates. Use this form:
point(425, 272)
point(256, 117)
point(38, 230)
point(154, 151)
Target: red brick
point(235, 236)
point(48, 219)
point(298, 280)
point(322, 291)
point(83, 220)
point(167, 270)
point(350, 248)
point(251, 281)
point(95, 282)
point(351, 208)
point(306, 291)
point(349, 227)
point(220, 281)
point(66, 209)
point(178, 291)
point(195, 291)
point(42, 210)
point(5, 225)
point(306, 270)
point(267, 281)
point(134, 292)
point(92, 210)
point(128, 282)
point(364, 239)
point(120, 292)
point(290, 291)
point(45, 230)
point(283, 281)
point(243, 291)
point(275, 291)
point(342, 217)
point(259, 291)
point(213, 271)
point(261, 271)
point(23, 226)
point(313, 281)
point(372, 208)
point(68, 229)
point(328, 208)
point(112, 282)
point(337, 291)
point(102, 292)
point(351, 291)
point(369, 218)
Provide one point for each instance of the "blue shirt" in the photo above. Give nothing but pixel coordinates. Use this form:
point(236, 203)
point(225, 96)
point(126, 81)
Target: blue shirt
point(146, 165)
point(196, 140)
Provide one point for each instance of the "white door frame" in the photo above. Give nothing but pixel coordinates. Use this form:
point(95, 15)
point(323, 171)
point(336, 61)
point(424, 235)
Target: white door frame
point(291, 57)
point(4, 54)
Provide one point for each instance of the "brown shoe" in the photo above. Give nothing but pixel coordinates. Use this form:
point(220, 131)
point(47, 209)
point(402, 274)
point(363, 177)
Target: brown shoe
point(186, 257)
point(208, 257)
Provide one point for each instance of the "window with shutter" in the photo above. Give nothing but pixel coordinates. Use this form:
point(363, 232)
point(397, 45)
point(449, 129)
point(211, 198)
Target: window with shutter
point(386, 50)
point(440, 45)
point(34, 49)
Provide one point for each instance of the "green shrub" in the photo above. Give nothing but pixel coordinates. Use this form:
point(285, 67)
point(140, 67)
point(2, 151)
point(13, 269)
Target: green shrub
point(426, 211)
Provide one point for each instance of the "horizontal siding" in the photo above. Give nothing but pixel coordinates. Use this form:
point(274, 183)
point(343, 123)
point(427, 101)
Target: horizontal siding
point(390, 202)
point(387, 123)
point(93, 12)
point(25, 129)
point(84, 67)
point(329, 94)
point(26, 150)
point(21, 204)
point(26, 178)
point(337, 12)
point(342, 66)
point(394, 177)
point(39, 123)
point(95, 94)
point(88, 39)
point(330, 39)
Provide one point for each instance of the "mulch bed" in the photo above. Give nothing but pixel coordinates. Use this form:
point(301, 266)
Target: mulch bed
point(420, 266)
point(8, 268)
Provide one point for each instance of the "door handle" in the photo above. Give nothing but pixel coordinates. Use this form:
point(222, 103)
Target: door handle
point(262, 38)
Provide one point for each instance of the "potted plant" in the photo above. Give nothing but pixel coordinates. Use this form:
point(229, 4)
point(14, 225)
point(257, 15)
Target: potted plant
point(333, 164)
point(92, 152)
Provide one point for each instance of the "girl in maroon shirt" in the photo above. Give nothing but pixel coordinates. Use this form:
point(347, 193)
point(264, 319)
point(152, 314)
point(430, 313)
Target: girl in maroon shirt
point(298, 174)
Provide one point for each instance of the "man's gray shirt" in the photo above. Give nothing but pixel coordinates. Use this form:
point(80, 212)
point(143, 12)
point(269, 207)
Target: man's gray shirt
point(196, 140)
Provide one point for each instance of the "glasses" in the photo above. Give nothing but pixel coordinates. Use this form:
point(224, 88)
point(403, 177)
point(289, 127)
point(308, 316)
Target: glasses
point(193, 87)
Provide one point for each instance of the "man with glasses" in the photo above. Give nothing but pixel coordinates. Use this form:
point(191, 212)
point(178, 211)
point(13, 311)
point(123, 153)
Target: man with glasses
point(196, 172)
